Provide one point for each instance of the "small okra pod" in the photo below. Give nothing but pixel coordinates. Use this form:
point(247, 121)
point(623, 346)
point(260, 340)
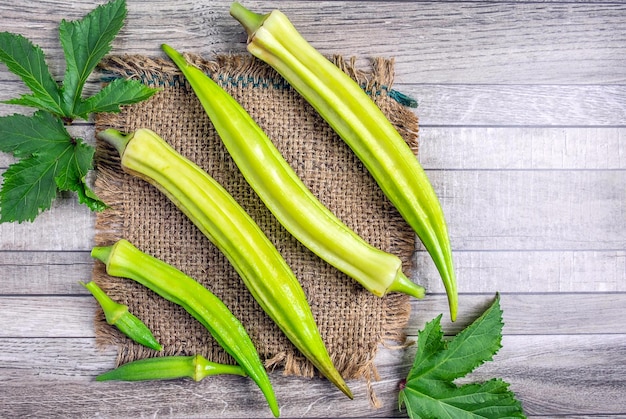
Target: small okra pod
point(230, 228)
point(117, 314)
point(287, 197)
point(361, 124)
point(195, 367)
point(123, 259)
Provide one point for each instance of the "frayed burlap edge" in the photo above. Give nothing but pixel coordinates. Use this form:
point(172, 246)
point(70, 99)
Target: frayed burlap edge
point(379, 80)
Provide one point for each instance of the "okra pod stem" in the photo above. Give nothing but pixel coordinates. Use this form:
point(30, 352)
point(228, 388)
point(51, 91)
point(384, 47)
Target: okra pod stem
point(195, 367)
point(124, 260)
point(287, 197)
point(227, 225)
point(117, 314)
point(361, 124)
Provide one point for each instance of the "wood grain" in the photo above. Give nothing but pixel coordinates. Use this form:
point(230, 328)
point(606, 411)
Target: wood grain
point(523, 148)
point(33, 382)
point(524, 314)
point(522, 109)
point(434, 42)
point(58, 272)
point(467, 105)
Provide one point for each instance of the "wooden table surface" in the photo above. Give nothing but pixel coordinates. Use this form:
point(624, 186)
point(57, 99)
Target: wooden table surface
point(522, 109)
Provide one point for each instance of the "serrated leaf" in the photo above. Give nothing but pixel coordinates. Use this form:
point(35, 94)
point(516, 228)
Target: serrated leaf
point(27, 60)
point(430, 391)
point(78, 164)
point(473, 346)
point(28, 188)
point(118, 92)
point(24, 136)
point(71, 177)
point(87, 197)
point(85, 42)
point(51, 160)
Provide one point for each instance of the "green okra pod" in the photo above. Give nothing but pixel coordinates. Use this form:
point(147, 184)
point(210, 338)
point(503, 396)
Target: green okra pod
point(361, 124)
point(195, 367)
point(117, 314)
point(123, 259)
point(287, 197)
point(226, 224)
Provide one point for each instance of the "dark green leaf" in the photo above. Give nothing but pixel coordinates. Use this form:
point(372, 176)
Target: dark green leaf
point(118, 92)
point(87, 197)
point(430, 391)
point(50, 161)
point(78, 164)
point(85, 42)
point(28, 62)
point(28, 189)
point(24, 136)
point(72, 176)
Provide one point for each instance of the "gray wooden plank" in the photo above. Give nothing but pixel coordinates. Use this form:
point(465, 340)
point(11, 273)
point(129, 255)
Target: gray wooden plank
point(53, 359)
point(533, 209)
point(38, 375)
point(529, 271)
point(59, 272)
point(515, 148)
point(485, 210)
point(503, 148)
point(526, 314)
point(435, 42)
point(46, 316)
point(68, 226)
point(530, 314)
point(229, 396)
point(467, 105)
point(518, 105)
point(44, 272)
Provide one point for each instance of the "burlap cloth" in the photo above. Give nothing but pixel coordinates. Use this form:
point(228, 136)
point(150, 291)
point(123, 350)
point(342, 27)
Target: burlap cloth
point(353, 323)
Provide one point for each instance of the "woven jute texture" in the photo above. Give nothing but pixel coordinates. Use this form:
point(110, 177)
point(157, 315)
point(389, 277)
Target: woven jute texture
point(352, 322)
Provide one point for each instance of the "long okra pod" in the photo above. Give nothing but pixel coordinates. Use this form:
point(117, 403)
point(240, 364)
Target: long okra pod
point(124, 260)
point(117, 314)
point(195, 367)
point(361, 124)
point(216, 213)
point(287, 197)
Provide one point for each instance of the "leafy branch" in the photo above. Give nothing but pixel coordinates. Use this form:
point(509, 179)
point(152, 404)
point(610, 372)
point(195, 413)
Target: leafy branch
point(49, 159)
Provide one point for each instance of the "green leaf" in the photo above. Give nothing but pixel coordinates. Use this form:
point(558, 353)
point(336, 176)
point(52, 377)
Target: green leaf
point(50, 160)
point(118, 92)
point(28, 62)
point(24, 136)
point(85, 42)
point(72, 176)
point(28, 188)
point(430, 391)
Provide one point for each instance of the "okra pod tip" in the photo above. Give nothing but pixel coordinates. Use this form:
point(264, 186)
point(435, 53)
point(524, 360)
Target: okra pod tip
point(118, 315)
